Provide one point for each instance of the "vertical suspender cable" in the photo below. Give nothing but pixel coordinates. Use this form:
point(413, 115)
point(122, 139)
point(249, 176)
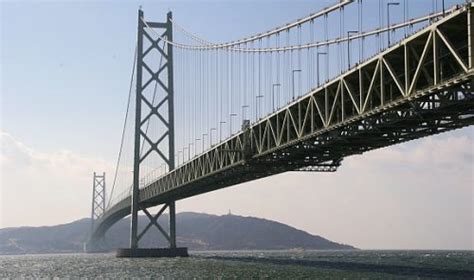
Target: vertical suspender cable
point(326, 34)
point(278, 70)
point(299, 60)
point(219, 97)
point(285, 71)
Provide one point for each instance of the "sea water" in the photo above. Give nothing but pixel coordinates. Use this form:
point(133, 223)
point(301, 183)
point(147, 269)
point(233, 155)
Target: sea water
point(358, 264)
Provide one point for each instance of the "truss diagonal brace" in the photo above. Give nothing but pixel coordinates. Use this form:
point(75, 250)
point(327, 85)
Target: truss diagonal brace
point(153, 221)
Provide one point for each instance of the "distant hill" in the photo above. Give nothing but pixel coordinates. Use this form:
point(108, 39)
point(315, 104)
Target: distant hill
point(195, 231)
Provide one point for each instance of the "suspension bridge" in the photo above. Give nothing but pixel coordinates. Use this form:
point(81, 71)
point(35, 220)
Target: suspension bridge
point(202, 116)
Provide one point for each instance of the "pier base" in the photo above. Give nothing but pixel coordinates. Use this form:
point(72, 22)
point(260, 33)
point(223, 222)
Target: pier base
point(152, 252)
point(96, 246)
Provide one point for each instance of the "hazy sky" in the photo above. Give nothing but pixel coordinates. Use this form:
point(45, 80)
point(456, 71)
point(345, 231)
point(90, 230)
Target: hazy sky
point(65, 70)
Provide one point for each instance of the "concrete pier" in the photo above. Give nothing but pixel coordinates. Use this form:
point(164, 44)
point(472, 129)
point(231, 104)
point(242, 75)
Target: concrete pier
point(152, 252)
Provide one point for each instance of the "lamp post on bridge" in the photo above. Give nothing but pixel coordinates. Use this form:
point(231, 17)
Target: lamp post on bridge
point(317, 65)
point(388, 19)
point(203, 140)
point(180, 152)
point(273, 95)
point(210, 134)
point(189, 150)
point(293, 81)
point(196, 141)
point(244, 107)
point(349, 47)
point(220, 129)
point(230, 121)
point(257, 106)
point(184, 154)
point(162, 166)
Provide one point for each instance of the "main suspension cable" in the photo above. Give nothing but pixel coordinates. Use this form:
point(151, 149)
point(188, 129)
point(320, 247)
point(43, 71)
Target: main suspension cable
point(278, 29)
point(341, 39)
point(124, 127)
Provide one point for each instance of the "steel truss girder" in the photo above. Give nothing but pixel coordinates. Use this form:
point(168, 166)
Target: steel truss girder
point(414, 89)
point(396, 125)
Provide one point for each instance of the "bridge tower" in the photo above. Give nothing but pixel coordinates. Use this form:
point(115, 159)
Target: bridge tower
point(98, 209)
point(144, 144)
point(98, 197)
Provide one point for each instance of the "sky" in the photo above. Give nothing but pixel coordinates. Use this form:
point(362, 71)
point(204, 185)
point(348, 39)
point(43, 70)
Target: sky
point(65, 68)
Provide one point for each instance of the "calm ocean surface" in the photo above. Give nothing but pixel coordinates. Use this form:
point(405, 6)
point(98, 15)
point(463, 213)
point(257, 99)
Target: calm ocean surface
point(248, 265)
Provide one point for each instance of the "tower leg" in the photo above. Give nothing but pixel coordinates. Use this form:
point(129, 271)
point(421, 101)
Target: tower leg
point(136, 162)
point(172, 251)
point(172, 224)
